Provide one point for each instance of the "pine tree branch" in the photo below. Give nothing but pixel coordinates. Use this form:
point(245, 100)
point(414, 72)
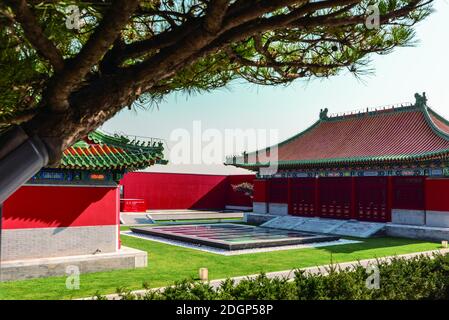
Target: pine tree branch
point(98, 44)
point(216, 11)
point(34, 33)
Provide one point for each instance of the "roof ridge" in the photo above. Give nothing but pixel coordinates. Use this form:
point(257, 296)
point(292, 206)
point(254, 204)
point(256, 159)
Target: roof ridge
point(399, 107)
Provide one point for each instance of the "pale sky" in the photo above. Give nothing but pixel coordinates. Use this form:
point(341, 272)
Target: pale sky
point(291, 109)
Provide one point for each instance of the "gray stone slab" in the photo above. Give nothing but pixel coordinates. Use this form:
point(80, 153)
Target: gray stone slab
point(257, 218)
point(359, 229)
point(260, 207)
point(196, 216)
point(280, 209)
point(134, 219)
point(125, 258)
point(410, 217)
point(351, 228)
point(439, 219)
point(318, 225)
point(417, 232)
point(144, 218)
point(283, 222)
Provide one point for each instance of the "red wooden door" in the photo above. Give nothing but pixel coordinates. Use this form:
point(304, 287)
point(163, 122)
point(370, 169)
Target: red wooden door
point(335, 198)
point(371, 199)
point(302, 197)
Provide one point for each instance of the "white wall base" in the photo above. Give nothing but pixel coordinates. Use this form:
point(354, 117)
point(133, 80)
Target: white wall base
point(408, 217)
point(439, 219)
point(36, 243)
point(243, 208)
point(260, 207)
point(125, 258)
point(280, 209)
point(417, 232)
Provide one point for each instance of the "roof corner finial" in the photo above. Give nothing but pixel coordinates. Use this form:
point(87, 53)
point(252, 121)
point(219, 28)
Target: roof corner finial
point(323, 114)
point(245, 157)
point(420, 100)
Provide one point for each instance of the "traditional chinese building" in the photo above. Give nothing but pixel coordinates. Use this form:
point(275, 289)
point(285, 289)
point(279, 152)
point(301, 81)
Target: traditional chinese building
point(70, 214)
point(384, 165)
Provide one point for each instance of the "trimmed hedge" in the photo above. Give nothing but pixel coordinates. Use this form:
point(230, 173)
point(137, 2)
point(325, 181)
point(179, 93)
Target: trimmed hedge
point(418, 278)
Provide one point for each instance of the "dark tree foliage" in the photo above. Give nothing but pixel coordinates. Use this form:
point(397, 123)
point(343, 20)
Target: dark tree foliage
point(61, 79)
point(245, 187)
point(423, 277)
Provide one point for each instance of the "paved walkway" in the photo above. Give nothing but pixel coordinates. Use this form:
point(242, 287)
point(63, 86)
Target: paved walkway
point(136, 218)
point(290, 274)
point(195, 215)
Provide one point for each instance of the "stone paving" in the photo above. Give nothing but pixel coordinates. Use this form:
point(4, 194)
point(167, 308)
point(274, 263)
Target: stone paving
point(136, 218)
point(360, 229)
point(195, 215)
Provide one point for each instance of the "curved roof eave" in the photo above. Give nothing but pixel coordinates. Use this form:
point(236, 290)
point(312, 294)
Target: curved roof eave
point(442, 154)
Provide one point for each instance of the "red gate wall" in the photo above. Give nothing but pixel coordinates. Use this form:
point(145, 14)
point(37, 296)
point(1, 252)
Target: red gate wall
point(302, 201)
point(362, 198)
point(185, 191)
point(335, 198)
point(371, 195)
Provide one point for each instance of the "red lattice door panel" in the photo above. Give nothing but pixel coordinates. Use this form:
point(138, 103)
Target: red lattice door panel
point(371, 199)
point(335, 198)
point(302, 197)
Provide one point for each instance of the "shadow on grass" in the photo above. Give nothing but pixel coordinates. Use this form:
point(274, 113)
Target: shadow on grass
point(378, 243)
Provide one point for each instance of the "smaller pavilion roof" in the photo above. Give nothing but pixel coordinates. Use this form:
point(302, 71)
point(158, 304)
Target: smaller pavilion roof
point(99, 151)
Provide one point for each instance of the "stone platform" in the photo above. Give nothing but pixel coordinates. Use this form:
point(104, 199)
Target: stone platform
point(231, 237)
point(417, 232)
point(351, 228)
point(125, 258)
point(151, 216)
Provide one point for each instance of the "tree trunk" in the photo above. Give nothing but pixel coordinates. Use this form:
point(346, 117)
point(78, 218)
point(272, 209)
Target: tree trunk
point(89, 108)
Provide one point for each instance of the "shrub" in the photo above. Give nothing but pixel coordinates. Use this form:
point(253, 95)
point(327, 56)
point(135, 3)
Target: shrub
point(419, 278)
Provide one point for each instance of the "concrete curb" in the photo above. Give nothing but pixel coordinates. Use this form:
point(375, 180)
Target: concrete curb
point(289, 274)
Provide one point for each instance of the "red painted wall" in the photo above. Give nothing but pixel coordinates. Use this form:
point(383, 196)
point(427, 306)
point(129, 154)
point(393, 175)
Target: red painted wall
point(408, 193)
point(278, 189)
point(184, 191)
point(61, 206)
point(437, 194)
point(238, 198)
point(261, 192)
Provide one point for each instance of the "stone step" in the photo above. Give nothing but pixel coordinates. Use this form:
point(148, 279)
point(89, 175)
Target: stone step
point(360, 229)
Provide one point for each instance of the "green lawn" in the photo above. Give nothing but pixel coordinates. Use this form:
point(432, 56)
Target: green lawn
point(168, 263)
